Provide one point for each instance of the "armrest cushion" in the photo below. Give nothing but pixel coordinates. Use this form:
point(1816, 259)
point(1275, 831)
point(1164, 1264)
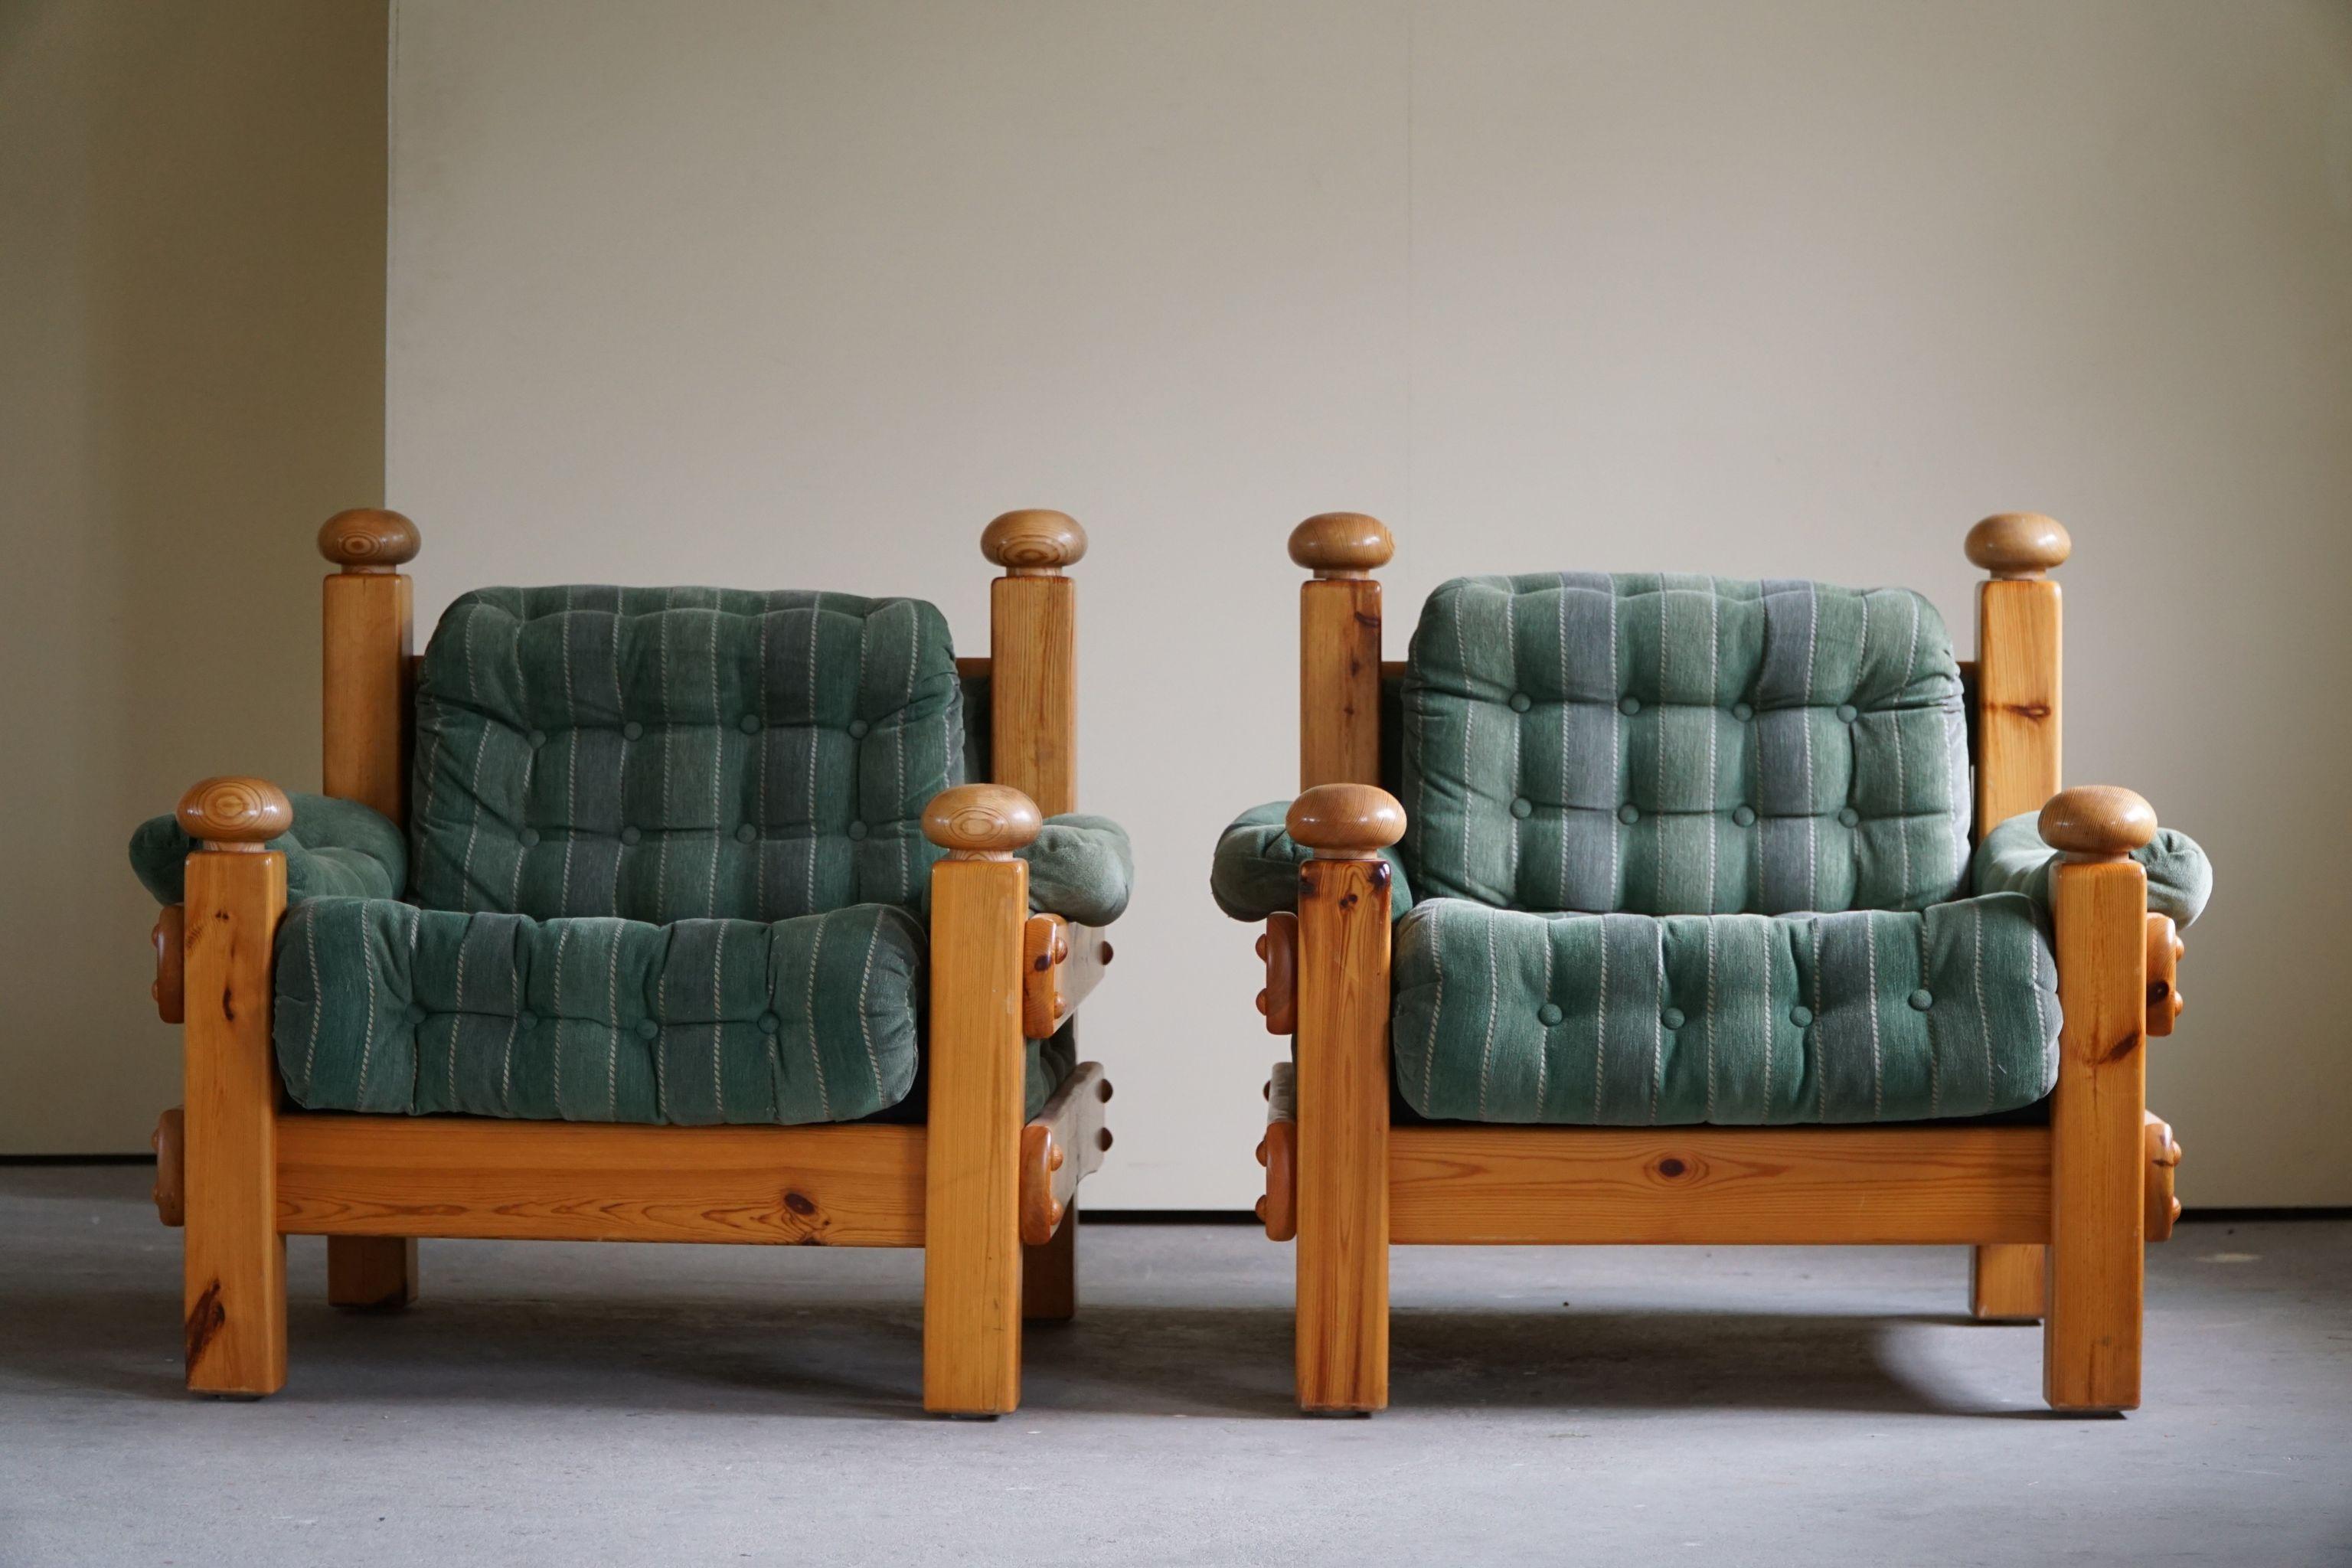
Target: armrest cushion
point(1081, 869)
point(336, 848)
point(1255, 871)
point(2014, 860)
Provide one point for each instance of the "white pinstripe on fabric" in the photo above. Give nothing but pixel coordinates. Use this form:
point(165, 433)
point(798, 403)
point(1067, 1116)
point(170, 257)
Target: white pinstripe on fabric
point(817, 615)
point(1877, 1067)
point(718, 771)
point(612, 1006)
point(1494, 1002)
point(816, 1054)
point(864, 1013)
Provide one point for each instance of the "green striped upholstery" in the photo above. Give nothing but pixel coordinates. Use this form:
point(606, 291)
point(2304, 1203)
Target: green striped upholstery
point(1682, 745)
point(1628, 1019)
point(335, 846)
point(2012, 859)
point(384, 1006)
point(670, 753)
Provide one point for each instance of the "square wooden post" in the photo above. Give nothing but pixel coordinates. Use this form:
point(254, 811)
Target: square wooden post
point(2019, 677)
point(366, 638)
point(971, 1181)
point(234, 1260)
point(2091, 1334)
point(1033, 682)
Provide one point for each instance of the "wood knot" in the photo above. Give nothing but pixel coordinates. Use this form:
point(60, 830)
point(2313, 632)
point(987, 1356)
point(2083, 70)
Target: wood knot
point(1671, 1167)
point(800, 1203)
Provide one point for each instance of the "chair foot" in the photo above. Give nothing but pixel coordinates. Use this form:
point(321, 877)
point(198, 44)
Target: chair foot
point(1049, 1274)
point(2006, 1283)
point(370, 1273)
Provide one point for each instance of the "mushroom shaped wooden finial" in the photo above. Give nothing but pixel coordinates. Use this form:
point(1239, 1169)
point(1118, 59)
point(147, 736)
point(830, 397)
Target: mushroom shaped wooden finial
point(1342, 544)
point(982, 822)
point(1034, 543)
point(2019, 544)
point(368, 539)
point(236, 813)
point(2097, 822)
point(1345, 821)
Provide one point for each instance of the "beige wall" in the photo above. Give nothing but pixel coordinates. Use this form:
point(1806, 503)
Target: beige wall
point(192, 198)
point(800, 294)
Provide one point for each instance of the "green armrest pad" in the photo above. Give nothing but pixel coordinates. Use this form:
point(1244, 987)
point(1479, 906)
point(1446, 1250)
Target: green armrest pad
point(336, 848)
point(1081, 869)
point(2014, 860)
point(1255, 872)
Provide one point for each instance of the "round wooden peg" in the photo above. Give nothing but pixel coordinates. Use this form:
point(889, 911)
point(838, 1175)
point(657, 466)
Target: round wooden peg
point(2015, 544)
point(2097, 822)
point(1345, 821)
point(368, 539)
point(235, 813)
point(982, 822)
point(1034, 543)
point(1342, 545)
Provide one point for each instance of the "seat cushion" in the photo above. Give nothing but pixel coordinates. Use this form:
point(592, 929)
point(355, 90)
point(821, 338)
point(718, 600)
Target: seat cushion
point(1668, 745)
point(1628, 1019)
point(383, 1006)
point(672, 754)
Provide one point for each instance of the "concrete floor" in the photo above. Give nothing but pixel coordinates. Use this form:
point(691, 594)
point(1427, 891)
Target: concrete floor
point(572, 1405)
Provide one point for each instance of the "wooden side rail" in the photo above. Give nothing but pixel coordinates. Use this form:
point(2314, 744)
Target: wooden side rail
point(2165, 952)
point(1062, 1146)
point(549, 1181)
point(1061, 963)
point(1278, 946)
point(170, 940)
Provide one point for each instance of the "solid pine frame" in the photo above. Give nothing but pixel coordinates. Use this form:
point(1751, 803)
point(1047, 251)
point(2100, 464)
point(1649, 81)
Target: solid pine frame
point(989, 1195)
point(2056, 1215)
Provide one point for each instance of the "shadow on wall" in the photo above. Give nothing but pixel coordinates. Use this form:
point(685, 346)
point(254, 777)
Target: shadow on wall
point(191, 377)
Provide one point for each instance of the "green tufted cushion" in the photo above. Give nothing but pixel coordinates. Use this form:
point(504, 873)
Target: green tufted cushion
point(1682, 745)
point(1256, 869)
point(382, 1006)
point(2012, 859)
point(667, 753)
point(336, 847)
point(1629, 1019)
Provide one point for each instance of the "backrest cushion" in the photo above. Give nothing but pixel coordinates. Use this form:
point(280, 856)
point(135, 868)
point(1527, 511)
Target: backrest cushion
point(1666, 745)
point(667, 753)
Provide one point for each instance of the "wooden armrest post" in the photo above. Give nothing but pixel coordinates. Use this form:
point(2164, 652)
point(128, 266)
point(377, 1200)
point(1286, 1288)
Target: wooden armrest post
point(2016, 727)
point(235, 1269)
point(1342, 1050)
point(1034, 747)
point(971, 1179)
point(1339, 648)
point(368, 640)
point(2091, 1334)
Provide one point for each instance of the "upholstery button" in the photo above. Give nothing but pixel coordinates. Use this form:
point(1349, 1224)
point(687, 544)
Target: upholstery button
point(1848, 816)
point(1922, 999)
point(1801, 1016)
point(770, 1023)
point(527, 1021)
point(1549, 1015)
point(1521, 702)
point(648, 1028)
point(858, 830)
point(1627, 816)
point(1741, 712)
point(745, 833)
point(1671, 1018)
point(413, 1015)
point(859, 729)
point(749, 724)
point(537, 738)
point(1745, 816)
point(1523, 807)
point(1628, 706)
point(530, 836)
point(1847, 713)
point(630, 836)
point(633, 730)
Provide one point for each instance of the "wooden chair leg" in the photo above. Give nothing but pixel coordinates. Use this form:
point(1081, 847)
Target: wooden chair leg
point(1343, 1128)
point(2091, 1336)
point(971, 1225)
point(1049, 1274)
point(370, 1273)
point(235, 1267)
point(2006, 1282)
